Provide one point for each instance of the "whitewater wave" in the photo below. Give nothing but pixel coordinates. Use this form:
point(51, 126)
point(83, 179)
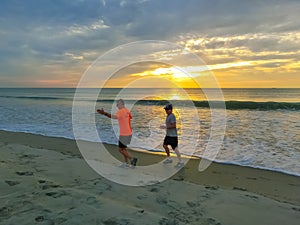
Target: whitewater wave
point(230, 105)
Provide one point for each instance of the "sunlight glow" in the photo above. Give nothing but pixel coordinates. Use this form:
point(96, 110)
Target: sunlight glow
point(175, 97)
point(235, 61)
point(190, 71)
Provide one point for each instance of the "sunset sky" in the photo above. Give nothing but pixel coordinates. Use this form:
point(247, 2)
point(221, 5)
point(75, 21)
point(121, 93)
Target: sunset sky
point(245, 44)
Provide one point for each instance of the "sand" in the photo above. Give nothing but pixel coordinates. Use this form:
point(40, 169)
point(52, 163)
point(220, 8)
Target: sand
point(45, 180)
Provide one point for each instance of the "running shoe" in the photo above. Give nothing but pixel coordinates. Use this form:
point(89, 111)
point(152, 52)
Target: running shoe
point(168, 160)
point(134, 161)
point(124, 165)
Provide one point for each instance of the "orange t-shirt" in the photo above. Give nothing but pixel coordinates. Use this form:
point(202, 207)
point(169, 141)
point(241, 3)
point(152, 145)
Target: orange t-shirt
point(124, 117)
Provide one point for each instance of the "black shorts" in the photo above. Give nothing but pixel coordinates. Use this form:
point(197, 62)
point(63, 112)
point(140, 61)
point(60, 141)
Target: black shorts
point(173, 141)
point(124, 141)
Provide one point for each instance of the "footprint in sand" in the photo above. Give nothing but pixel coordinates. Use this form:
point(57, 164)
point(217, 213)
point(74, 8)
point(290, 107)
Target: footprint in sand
point(112, 221)
point(44, 185)
point(165, 221)
point(141, 197)
point(192, 204)
point(103, 187)
point(54, 194)
point(212, 221)
point(240, 189)
point(5, 211)
point(12, 182)
point(28, 156)
point(94, 202)
point(154, 189)
point(26, 173)
point(161, 200)
point(212, 188)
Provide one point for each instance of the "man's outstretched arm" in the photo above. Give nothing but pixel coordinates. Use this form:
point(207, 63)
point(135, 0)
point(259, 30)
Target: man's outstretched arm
point(102, 112)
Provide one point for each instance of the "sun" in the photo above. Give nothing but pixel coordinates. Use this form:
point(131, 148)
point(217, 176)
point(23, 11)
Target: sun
point(175, 97)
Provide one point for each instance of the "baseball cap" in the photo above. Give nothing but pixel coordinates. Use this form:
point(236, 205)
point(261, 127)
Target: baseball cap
point(168, 106)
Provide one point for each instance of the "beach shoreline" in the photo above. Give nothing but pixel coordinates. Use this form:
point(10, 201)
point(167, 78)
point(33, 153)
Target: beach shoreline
point(47, 171)
point(219, 174)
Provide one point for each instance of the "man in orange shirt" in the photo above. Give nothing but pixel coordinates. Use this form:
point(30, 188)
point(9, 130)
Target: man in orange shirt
point(123, 116)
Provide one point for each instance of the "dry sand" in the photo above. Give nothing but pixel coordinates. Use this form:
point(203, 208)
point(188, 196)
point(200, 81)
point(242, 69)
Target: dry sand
point(46, 181)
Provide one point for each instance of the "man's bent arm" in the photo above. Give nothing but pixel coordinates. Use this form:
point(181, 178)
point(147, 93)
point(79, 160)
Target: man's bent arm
point(102, 112)
point(110, 115)
point(171, 125)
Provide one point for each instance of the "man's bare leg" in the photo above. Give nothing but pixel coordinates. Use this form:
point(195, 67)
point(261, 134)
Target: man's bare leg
point(168, 160)
point(167, 150)
point(125, 154)
point(178, 154)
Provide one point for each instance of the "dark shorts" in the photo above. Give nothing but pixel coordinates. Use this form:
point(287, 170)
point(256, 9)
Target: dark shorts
point(124, 141)
point(173, 141)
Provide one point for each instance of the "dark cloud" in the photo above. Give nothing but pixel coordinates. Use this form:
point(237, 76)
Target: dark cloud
point(47, 12)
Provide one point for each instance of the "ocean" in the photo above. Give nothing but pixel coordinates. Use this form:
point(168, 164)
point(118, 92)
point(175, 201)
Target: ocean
point(262, 125)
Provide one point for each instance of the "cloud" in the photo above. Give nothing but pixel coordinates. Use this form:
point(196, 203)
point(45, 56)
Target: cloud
point(75, 33)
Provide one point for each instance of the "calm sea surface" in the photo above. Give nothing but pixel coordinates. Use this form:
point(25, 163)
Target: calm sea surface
point(262, 125)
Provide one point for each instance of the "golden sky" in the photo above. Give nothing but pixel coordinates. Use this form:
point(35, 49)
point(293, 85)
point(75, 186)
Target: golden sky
point(243, 61)
point(231, 63)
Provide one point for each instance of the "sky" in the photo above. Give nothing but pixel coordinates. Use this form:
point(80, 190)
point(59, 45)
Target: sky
point(244, 44)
